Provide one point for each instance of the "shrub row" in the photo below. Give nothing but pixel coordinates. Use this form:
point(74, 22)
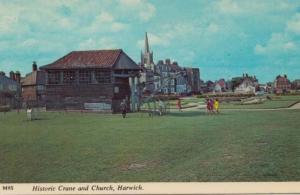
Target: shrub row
point(226, 95)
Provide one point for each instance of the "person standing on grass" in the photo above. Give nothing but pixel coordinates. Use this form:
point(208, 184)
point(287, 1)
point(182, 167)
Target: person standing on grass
point(179, 105)
point(207, 105)
point(216, 105)
point(161, 107)
point(211, 105)
point(123, 108)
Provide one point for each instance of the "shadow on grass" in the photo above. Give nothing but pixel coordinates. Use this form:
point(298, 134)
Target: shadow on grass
point(37, 119)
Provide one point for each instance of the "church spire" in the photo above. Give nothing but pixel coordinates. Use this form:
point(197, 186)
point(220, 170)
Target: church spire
point(147, 50)
point(147, 56)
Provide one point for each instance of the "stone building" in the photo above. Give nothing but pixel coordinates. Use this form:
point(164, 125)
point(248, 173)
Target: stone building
point(97, 80)
point(10, 90)
point(193, 79)
point(165, 70)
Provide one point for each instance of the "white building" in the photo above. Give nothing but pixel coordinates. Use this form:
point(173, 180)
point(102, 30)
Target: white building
point(246, 86)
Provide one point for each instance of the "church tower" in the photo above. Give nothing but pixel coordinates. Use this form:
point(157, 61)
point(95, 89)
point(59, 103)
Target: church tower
point(147, 56)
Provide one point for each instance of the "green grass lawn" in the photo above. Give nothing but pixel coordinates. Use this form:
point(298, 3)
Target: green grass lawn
point(266, 104)
point(276, 102)
point(284, 97)
point(187, 146)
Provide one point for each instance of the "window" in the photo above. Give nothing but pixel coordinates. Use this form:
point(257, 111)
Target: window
point(40, 87)
point(116, 89)
point(12, 87)
point(103, 76)
point(85, 76)
point(69, 77)
point(54, 77)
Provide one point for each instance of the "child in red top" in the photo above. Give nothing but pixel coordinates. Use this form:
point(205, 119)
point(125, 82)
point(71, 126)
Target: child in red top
point(207, 105)
point(211, 105)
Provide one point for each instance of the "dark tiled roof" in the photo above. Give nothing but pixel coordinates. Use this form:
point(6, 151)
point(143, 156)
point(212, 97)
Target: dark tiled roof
point(86, 59)
point(34, 78)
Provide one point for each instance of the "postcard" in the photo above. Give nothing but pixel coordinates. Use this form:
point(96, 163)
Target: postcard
point(149, 97)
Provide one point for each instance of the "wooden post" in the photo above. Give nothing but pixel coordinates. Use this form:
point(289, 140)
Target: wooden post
point(132, 90)
point(138, 93)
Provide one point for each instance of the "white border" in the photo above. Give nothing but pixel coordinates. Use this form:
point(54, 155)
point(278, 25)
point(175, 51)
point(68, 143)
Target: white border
point(155, 188)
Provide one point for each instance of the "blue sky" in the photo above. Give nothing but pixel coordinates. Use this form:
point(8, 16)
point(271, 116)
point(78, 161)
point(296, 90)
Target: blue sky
point(224, 38)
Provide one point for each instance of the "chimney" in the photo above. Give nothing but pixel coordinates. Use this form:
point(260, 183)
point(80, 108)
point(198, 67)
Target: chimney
point(12, 75)
point(2, 73)
point(34, 66)
point(18, 77)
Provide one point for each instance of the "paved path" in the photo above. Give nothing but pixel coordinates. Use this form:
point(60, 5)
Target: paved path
point(294, 107)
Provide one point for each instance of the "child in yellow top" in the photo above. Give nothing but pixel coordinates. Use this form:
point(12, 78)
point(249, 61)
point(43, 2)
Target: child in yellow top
point(216, 105)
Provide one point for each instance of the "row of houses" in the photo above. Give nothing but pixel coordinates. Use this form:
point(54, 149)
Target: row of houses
point(102, 79)
point(242, 84)
point(250, 84)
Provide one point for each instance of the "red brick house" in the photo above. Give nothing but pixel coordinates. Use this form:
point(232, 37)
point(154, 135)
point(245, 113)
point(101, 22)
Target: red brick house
point(282, 84)
point(33, 87)
point(91, 80)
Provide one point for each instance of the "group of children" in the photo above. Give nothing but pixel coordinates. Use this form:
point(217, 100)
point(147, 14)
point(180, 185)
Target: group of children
point(212, 105)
